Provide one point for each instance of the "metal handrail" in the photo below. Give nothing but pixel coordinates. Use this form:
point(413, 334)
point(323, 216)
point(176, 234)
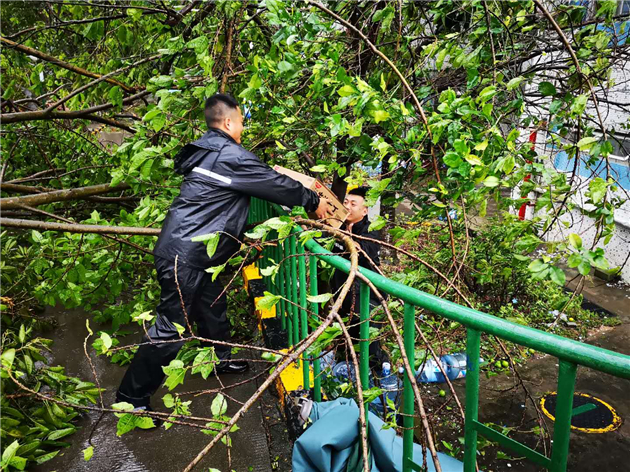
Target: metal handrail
point(570, 353)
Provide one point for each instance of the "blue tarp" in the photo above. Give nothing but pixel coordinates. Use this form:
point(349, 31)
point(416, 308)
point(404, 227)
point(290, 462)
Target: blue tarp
point(327, 445)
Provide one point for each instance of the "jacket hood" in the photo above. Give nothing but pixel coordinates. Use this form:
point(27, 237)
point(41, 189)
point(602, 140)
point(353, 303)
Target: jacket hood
point(189, 157)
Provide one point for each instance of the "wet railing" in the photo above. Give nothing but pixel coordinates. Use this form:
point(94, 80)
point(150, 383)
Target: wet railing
point(291, 284)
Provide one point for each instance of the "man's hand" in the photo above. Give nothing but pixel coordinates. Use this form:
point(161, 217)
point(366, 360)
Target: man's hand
point(324, 210)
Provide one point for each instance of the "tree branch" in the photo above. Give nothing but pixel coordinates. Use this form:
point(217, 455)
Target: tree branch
point(62, 64)
point(77, 228)
point(12, 203)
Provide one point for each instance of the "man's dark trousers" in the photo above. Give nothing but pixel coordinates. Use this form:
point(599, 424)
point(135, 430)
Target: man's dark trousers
point(206, 306)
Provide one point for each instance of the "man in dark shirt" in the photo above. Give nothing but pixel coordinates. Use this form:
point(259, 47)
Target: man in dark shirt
point(220, 177)
point(358, 224)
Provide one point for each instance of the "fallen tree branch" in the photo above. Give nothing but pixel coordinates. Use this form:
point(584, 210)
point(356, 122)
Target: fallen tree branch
point(86, 114)
point(72, 223)
point(12, 203)
point(78, 228)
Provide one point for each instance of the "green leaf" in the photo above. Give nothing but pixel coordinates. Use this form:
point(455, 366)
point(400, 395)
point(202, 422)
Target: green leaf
point(308, 235)
point(128, 422)
point(481, 146)
point(537, 266)
point(267, 301)
point(597, 187)
point(491, 181)
point(122, 406)
point(46, 457)
point(61, 433)
point(199, 44)
point(473, 160)
point(452, 159)
point(175, 373)
point(461, 147)
point(487, 93)
point(270, 271)
point(169, 401)
point(10, 451)
point(574, 260)
point(204, 362)
point(380, 115)
point(216, 270)
point(107, 341)
point(321, 298)
point(115, 96)
point(347, 90)
point(575, 241)
point(180, 329)
point(557, 275)
point(579, 104)
point(584, 268)
point(378, 223)
point(88, 452)
point(587, 143)
point(515, 82)
point(211, 240)
point(285, 66)
point(219, 405)
point(547, 89)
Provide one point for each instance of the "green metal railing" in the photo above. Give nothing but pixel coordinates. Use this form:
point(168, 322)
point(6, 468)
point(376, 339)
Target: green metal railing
point(291, 284)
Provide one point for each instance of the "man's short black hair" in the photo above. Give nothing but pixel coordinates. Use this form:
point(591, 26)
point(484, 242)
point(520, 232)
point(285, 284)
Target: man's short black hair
point(218, 107)
point(359, 191)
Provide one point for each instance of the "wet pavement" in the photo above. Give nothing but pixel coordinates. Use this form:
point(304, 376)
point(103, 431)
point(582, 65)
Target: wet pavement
point(589, 452)
point(261, 445)
point(151, 450)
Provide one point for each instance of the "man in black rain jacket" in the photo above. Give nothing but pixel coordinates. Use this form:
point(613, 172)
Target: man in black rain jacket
point(358, 224)
point(220, 177)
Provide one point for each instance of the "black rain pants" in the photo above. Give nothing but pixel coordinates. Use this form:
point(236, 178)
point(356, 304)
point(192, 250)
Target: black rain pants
point(145, 375)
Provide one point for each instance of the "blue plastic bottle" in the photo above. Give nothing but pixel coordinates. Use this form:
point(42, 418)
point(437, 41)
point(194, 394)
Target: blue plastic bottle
point(453, 364)
point(343, 371)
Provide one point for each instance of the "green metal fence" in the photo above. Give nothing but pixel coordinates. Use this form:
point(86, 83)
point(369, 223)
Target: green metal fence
point(291, 284)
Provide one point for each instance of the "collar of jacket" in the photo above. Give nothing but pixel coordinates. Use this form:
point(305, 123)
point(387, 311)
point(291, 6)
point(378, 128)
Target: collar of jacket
point(209, 140)
point(360, 227)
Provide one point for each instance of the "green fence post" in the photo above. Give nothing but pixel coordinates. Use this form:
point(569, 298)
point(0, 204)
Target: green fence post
point(287, 284)
point(408, 404)
point(303, 321)
point(564, 409)
point(473, 339)
point(317, 381)
point(294, 291)
point(282, 290)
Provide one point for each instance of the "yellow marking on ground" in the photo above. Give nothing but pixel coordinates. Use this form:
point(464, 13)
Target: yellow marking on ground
point(616, 421)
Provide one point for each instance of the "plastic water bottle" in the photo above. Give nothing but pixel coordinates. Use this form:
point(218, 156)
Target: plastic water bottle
point(390, 383)
point(453, 364)
point(344, 371)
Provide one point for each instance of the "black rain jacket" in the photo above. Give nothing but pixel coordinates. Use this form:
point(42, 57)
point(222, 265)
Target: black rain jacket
point(220, 176)
point(372, 249)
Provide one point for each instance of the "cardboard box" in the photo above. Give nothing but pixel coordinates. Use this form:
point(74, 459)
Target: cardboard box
point(339, 211)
